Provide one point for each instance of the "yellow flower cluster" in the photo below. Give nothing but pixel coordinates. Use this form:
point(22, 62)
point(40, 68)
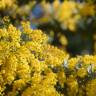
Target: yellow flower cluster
point(81, 73)
point(27, 61)
point(90, 88)
point(69, 13)
point(29, 66)
point(14, 9)
point(88, 9)
point(6, 3)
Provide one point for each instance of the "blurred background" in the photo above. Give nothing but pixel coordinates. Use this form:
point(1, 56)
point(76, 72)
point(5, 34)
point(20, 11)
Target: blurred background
point(70, 24)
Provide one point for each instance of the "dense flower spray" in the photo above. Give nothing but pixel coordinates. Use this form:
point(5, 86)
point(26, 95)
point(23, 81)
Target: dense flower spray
point(29, 66)
point(26, 62)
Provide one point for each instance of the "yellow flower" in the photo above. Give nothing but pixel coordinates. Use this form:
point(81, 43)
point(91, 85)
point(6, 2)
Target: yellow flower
point(61, 78)
point(82, 72)
point(88, 10)
point(18, 84)
point(72, 63)
point(90, 88)
point(56, 4)
point(13, 33)
point(87, 59)
point(63, 40)
point(72, 86)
